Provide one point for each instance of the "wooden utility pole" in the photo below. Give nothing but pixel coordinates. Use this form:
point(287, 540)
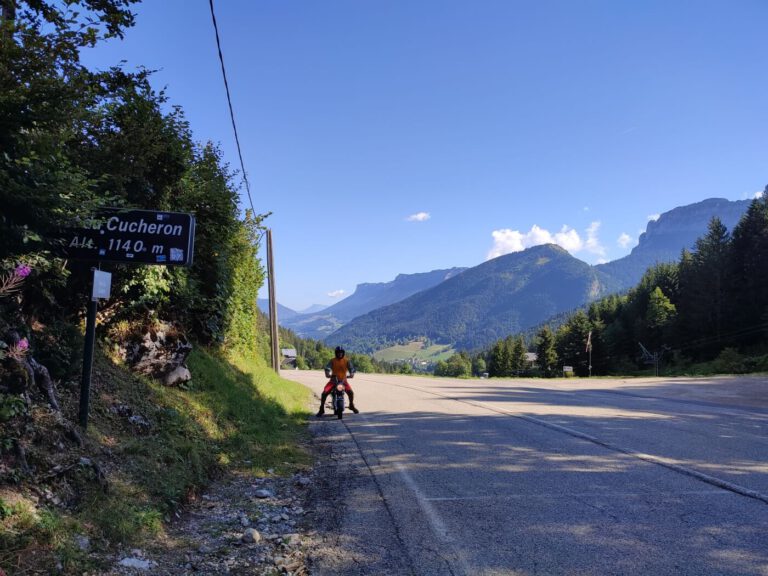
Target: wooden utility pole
point(272, 305)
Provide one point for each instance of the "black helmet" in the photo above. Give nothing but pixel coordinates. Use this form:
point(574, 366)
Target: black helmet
point(339, 349)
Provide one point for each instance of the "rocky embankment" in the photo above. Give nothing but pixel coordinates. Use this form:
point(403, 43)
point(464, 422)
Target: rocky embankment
point(241, 525)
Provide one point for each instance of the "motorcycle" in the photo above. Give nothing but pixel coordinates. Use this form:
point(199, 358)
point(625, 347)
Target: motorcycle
point(337, 398)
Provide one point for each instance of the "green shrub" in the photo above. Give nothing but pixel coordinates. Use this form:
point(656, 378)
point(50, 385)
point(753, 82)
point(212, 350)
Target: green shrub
point(729, 361)
point(59, 347)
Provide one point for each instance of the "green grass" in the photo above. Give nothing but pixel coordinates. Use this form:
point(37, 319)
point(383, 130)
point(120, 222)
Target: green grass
point(237, 414)
point(415, 349)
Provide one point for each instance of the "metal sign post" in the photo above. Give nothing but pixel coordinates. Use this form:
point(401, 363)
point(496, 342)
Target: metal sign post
point(102, 282)
point(130, 237)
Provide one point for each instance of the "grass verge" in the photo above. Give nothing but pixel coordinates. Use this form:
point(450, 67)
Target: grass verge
point(148, 450)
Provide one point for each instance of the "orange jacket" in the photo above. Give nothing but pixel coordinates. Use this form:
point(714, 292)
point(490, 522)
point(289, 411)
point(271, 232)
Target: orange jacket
point(339, 367)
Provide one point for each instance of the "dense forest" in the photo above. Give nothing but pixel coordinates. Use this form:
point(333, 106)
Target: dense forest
point(710, 307)
point(72, 140)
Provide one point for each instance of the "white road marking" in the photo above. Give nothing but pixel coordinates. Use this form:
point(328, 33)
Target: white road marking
point(458, 563)
point(555, 495)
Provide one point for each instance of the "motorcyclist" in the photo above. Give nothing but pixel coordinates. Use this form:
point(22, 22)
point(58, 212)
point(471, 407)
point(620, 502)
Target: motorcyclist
point(338, 367)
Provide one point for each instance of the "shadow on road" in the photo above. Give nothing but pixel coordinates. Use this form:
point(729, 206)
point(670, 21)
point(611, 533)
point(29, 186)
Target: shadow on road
point(542, 501)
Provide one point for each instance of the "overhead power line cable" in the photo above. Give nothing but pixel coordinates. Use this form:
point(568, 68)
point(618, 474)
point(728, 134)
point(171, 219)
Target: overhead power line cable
point(231, 111)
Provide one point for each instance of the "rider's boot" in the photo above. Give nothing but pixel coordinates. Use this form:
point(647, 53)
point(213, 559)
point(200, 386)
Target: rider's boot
point(352, 402)
point(323, 396)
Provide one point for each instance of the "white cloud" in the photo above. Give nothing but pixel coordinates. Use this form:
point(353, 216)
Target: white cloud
point(418, 217)
point(654, 217)
point(624, 240)
point(593, 242)
point(759, 194)
point(506, 241)
point(568, 238)
point(337, 293)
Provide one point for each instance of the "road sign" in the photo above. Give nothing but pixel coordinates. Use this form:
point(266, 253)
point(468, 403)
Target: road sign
point(133, 236)
point(102, 282)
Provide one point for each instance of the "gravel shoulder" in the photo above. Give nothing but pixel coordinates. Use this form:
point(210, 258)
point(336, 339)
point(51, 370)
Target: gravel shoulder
point(330, 519)
point(353, 532)
point(240, 525)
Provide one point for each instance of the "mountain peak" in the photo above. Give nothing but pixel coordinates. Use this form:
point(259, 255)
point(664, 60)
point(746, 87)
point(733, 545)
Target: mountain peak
point(666, 237)
point(499, 297)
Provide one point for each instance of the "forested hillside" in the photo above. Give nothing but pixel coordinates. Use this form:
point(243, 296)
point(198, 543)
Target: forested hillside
point(473, 308)
point(494, 300)
point(711, 306)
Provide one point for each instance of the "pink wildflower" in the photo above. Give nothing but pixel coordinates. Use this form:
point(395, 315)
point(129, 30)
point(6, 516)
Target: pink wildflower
point(22, 270)
point(18, 351)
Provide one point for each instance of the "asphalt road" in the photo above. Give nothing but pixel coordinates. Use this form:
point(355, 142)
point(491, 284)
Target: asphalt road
point(587, 477)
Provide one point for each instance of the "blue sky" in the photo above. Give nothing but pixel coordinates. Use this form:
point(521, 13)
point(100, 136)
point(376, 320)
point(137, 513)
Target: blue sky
point(402, 136)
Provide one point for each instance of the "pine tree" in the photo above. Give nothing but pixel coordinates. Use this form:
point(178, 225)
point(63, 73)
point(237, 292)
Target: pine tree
point(497, 360)
point(517, 356)
point(704, 300)
point(571, 342)
point(749, 274)
point(546, 356)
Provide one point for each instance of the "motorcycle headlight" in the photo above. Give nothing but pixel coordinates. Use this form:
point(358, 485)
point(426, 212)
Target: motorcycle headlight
point(340, 387)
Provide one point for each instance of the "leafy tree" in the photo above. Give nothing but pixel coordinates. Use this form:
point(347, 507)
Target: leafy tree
point(47, 101)
point(457, 366)
point(478, 365)
point(362, 363)
point(74, 140)
point(659, 316)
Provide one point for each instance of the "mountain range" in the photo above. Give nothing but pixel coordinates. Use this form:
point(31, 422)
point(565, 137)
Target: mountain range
point(476, 306)
point(366, 297)
point(482, 304)
point(283, 312)
point(665, 237)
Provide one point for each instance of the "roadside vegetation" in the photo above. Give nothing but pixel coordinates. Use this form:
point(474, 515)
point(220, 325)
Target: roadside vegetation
point(149, 450)
point(74, 140)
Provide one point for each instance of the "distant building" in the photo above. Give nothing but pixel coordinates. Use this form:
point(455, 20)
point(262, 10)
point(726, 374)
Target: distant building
point(288, 360)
